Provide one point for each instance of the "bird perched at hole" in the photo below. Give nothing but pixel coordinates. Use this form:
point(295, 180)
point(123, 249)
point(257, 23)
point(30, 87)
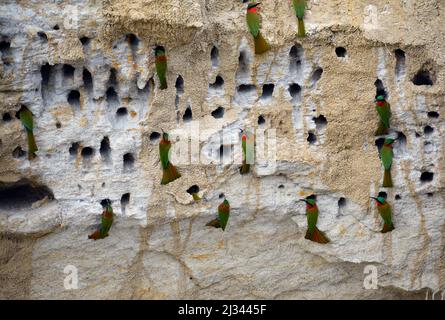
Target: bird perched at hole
point(385, 212)
point(253, 19)
point(386, 155)
point(169, 172)
point(106, 222)
point(384, 111)
point(26, 118)
point(193, 191)
point(300, 7)
point(223, 216)
point(312, 232)
point(247, 146)
point(161, 66)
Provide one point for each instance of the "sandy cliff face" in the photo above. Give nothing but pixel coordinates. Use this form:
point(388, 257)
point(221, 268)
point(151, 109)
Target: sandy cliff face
point(85, 69)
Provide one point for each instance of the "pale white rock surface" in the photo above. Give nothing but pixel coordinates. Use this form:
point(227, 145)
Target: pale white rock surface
point(85, 68)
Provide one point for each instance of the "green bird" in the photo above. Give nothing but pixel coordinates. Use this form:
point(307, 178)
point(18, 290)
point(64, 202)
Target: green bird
point(300, 7)
point(246, 138)
point(223, 216)
point(27, 120)
point(385, 212)
point(253, 19)
point(106, 222)
point(384, 111)
point(312, 232)
point(169, 172)
point(386, 155)
point(161, 66)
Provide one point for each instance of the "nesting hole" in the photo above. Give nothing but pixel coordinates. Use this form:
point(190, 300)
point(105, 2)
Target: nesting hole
point(311, 138)
point(383, 194)
point(316, 75)
point(261, 120)
point(243, 64)
point(22, 194)
point(74, 149)
point(56, 27)
point(179, 85)
point(218, 113)
point(128, 161)
point(105, 148)
point(5, 50)
point(125, 200)
point(423, 78)
point(132, 40)
point(68, 71)
point(58, 125)
point(320, 121)
point(154, 136)
point(246, 88)
point(6, 117)
point(295, 92)
point(121, 112)
point(267, 91)
point(401, 139)
point(193, 189)
point(87, 153)
point(426, 177)
point(400, 62)
point(18, 152)
point(85, 41)
point(112, 98)
point(42, 35)
point(379, 143)
point(219, 82)
point(340, 52)
point(295, 57)
point(428, 130)
point(397, 197)
point(74, 98)
point(433, 114)
point(341, 202)
point(187, 116)
point(380, 89)
point(45, 72)
point(214, 56)
point(87, 79)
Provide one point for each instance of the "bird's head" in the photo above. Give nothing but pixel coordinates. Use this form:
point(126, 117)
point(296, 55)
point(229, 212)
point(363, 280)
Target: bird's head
point(389, 141)
point(252, 6)
point(310, 200)
point(380, 100)
point(164, 135)
point(379, 200)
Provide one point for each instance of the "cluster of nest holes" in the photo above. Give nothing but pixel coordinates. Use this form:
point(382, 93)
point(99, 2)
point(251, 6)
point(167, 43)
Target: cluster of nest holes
point(22, 194)
point(129, 160)
point(426, 176)
point(218, 113)
point(340, 52)
point(214, 56)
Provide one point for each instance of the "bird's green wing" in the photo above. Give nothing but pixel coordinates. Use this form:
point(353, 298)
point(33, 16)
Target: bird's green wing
point(384, 113)
point(385, 213)
point(26, 119)
point(161, 69)
point(386, 155)
point(299, 7)
point(312, 217)
point(253, 22)
point(164, 149)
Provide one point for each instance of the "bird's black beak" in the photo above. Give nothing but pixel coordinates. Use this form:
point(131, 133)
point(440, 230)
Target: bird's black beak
point(304, 200)
point(373, 198)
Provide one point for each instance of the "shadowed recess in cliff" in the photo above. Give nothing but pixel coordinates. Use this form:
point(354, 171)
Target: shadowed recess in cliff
point(22, 194)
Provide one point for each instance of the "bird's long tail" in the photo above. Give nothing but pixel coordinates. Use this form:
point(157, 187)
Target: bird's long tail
point(32, 146)
point(387, 228)
point(387, 179)
point(381, 130)
point(163, 81)
point(245, 168)
point(261, 44)
point(169, 174)
point(317, 236)
point(214, 223)
point(301, 29)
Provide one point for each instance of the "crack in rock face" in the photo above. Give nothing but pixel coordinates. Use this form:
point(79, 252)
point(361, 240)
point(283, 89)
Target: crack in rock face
point(306, 108)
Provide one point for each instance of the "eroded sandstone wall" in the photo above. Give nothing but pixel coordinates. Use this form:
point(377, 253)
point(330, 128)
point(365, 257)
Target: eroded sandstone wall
point(86, 71)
